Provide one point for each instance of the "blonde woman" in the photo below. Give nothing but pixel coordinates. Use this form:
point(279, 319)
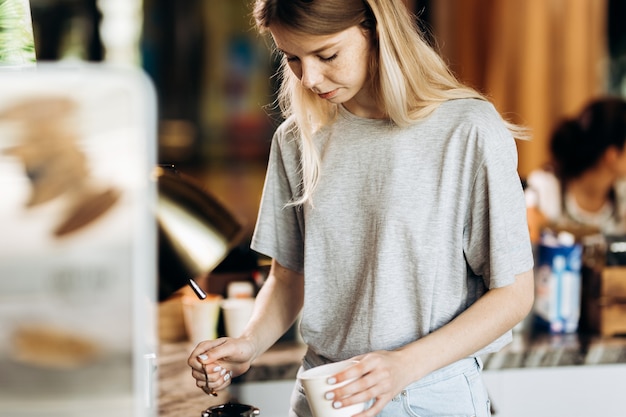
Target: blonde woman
point(393, 213)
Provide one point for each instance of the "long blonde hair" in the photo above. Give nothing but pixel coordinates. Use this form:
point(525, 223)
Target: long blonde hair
point(409, 79)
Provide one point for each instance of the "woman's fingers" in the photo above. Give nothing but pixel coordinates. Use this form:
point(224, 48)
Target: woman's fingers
point(213, 363)
point(378, 377)
point(220, 383)
point(205, 350)
point(212, 378)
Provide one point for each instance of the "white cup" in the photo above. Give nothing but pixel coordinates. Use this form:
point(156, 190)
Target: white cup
point(240, 289)
point(201, 317)
point(315, 385)
point(237, 313)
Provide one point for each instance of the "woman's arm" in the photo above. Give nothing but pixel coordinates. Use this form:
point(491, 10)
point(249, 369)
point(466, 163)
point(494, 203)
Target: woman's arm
point(492, 315)
point(383, 374)
point(277, 305)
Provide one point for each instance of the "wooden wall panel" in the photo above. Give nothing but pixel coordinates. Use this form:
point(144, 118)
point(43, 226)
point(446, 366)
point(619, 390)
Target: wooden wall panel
point(538, 60)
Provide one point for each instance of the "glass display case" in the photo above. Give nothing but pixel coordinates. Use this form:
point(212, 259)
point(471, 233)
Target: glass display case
point(78, 246)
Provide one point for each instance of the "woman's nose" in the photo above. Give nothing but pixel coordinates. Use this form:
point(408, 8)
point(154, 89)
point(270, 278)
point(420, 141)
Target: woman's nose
point(311, 75)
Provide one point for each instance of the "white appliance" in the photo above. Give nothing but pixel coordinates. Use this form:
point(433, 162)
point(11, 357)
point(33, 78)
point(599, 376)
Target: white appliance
point(77, 242)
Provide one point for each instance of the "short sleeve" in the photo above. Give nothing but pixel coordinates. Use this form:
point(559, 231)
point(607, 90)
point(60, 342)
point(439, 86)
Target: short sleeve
point(279, 231)
point(496, 237)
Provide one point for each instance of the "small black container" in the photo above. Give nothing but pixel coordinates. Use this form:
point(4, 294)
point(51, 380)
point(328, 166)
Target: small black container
point(231, 410)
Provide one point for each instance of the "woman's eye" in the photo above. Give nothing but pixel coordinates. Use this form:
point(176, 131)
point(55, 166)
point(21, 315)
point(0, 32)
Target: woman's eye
point(291, 58)
point(330, 58)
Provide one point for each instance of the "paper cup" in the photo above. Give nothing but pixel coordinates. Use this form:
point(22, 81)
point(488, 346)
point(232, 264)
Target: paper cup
point(315, 387)
point(237, 313)
point(240, 289)
point(201, 317)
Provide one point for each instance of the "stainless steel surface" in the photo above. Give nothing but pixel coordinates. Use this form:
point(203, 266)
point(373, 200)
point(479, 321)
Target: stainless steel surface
point(196, 232)
point(196, 289)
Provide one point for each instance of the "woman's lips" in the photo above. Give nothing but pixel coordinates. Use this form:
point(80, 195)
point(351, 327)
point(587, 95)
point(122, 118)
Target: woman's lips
point(328, 95)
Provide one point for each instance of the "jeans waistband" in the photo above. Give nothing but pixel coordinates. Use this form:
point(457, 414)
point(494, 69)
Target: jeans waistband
point(454, 369)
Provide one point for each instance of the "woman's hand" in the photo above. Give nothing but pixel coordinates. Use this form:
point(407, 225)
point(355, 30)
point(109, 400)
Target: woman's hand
point(381, 376)
point(214, 362)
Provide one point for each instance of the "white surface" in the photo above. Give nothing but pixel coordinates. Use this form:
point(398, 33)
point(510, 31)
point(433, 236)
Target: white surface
point(270, 397)
point(580, 391)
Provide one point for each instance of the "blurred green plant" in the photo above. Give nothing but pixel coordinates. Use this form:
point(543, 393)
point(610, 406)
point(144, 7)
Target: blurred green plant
point(17, 46)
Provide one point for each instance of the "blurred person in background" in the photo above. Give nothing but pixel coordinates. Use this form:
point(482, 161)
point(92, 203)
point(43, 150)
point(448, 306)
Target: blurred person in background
point(393, 213)
point(583, 185)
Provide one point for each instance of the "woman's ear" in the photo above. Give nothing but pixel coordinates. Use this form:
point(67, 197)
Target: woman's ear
point(614, 159)
point(611, 155)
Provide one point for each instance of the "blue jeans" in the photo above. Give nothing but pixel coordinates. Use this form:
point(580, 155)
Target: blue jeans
point(456, 390)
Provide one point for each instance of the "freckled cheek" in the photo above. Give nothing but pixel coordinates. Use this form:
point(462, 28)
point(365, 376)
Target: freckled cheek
point(356, 70)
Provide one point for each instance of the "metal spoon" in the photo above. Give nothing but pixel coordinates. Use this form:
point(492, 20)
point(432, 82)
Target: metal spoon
point(211, 390)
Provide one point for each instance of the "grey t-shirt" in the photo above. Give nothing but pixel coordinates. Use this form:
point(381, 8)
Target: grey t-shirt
point(408, 227)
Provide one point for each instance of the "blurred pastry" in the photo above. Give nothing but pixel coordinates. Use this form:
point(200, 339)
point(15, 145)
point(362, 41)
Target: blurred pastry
point(52, 347)
point(54, 163)
point(87, 210)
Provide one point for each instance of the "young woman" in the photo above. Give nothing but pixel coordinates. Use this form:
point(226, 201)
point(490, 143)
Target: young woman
point(584, 184)
point(393, 213)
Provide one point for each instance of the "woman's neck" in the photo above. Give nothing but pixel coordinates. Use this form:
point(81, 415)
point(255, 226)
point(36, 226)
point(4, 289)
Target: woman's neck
point(591, 190)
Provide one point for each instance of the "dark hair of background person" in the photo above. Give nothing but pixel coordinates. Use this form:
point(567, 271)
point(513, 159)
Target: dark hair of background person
point(578, 144)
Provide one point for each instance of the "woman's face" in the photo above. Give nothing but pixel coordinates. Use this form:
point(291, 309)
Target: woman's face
point(335, 67)
point(620, 165)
